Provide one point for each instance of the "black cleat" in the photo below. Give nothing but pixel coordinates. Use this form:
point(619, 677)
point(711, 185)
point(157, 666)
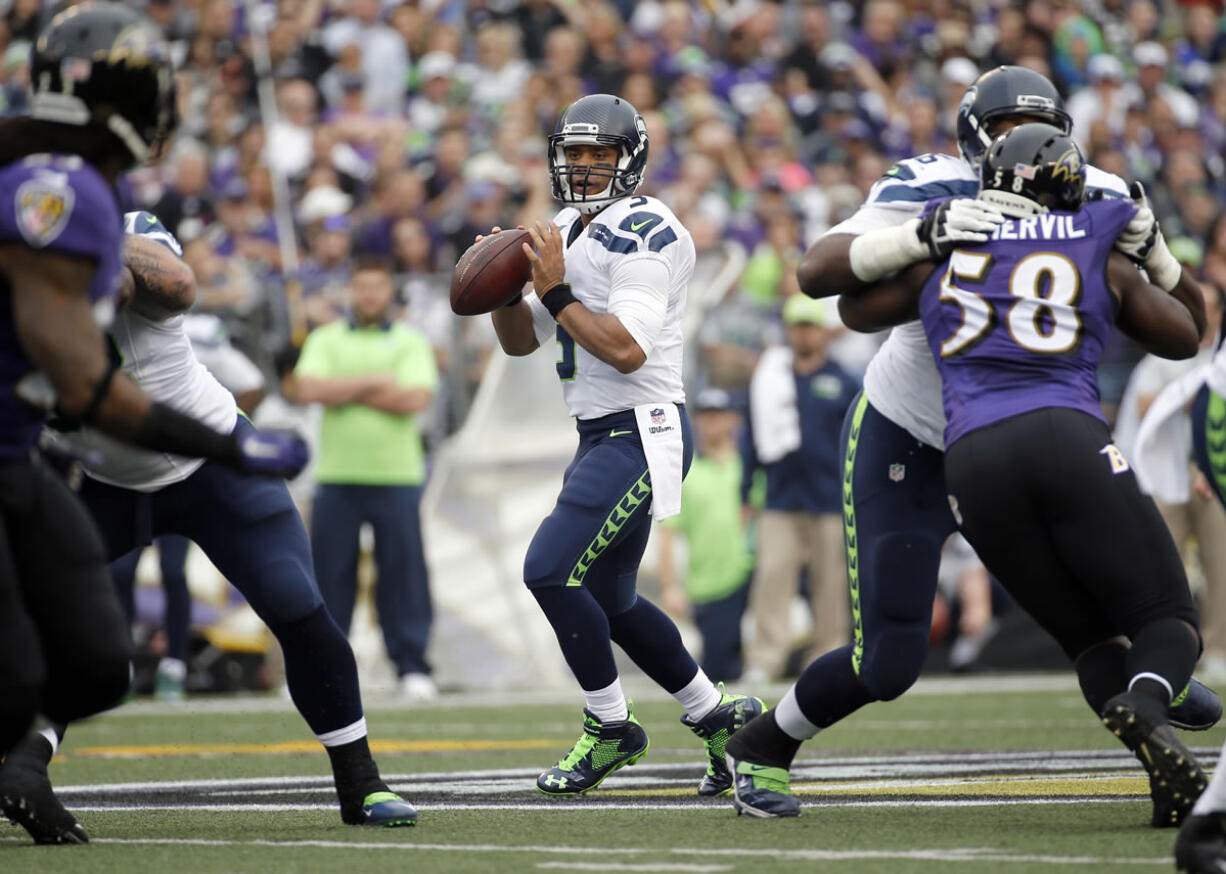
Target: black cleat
point(27, 799)
point(1175, 777)
point(715, 728)
point(1201, 845)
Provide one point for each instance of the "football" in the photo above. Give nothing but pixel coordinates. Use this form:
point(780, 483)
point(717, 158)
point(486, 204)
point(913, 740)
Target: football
point(490, 274)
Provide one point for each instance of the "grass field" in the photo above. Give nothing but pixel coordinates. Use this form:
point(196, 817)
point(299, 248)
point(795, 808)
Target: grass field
point(981, 774)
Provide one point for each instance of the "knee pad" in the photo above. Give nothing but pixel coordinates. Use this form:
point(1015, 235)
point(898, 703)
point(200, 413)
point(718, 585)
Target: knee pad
point(892, 663)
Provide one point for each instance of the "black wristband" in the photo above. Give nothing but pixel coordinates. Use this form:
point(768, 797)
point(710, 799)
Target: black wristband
point(558, 298)
point(167, 430)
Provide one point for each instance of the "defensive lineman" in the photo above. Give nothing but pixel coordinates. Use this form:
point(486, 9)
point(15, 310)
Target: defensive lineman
point(610, 274)
point(896, 524)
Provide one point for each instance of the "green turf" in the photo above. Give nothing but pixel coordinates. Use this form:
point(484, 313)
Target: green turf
point(565, 835)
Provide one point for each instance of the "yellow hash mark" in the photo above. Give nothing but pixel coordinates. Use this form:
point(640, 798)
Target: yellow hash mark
point(136, 751)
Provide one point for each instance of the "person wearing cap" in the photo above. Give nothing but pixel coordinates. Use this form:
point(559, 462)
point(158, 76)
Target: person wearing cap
point(1104, 98)
point(715, 586)
point(374, 377)
point(1150, 84)
point(797, 399)
point(326, 270)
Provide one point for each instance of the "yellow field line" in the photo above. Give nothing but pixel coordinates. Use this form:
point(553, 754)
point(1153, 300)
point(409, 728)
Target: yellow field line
point(304, 746)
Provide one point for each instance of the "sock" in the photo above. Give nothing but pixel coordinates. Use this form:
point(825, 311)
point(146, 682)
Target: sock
point(1101, 672)
point(792, 720)
point(356, 775)
point(829, 690)
point(1161, 660)
point(763, 742)
point(582, 631)
point(608, 704)
point(320, 671)
point(1157, 694)
point(699, 696)
point(652, 641)
point(1213, 799)
point(176, 669)
point(38, 745)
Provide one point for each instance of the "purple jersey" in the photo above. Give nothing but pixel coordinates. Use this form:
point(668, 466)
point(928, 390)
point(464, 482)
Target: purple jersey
point(60, 204)
point(1019, 322)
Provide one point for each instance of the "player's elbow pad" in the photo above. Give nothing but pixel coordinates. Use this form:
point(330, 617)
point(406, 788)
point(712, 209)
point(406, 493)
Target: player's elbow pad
point(885, 251)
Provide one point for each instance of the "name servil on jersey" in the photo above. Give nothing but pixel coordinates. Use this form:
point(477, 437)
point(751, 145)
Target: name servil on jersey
point(902, 381)
point(628, 231)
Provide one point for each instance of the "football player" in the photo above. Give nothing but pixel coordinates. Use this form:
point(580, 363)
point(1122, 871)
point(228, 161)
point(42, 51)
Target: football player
point(1016, 327)
point(896, 511)
point(609, 275)
point(246, 525)
point(103, 98)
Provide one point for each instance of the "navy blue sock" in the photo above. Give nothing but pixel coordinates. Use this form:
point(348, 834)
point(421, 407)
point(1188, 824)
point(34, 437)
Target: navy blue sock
point(653, 643)
point(829, 689)
point(320, 671)
point(582, 630)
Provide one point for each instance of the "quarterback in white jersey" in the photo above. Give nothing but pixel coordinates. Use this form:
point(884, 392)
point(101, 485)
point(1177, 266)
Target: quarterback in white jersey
point(897, 512)
point(610, 274)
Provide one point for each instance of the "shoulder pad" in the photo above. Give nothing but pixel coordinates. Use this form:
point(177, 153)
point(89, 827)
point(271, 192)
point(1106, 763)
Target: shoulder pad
point(923, 178)
point(146, 224)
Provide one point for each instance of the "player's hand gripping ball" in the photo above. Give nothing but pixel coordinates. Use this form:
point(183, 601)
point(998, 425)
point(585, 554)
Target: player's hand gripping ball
point(492, 273)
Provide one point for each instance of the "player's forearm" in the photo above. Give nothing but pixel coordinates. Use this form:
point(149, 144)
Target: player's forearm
point(163, 284)
point(604, 336)
point(513, 325)
point(1188, 292)
point(825, 270)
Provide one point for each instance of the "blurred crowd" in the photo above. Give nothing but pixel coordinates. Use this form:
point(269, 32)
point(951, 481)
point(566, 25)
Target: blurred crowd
point(402, 129)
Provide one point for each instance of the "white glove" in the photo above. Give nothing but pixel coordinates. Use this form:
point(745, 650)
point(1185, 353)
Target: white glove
point(1142, 241)
point(885, 251)
point(957, 222)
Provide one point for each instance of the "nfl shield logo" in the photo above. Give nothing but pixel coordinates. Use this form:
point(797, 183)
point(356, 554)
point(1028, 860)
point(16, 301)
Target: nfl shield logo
point(897, 472)
point(657, 416)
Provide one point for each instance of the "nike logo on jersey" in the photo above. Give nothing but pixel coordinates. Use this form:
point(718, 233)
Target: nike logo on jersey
point(616, 433)
point(644, 223)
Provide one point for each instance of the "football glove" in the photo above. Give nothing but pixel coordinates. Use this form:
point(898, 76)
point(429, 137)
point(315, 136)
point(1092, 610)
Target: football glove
point(1143, 243)
point(273, 453)
point(956, 223)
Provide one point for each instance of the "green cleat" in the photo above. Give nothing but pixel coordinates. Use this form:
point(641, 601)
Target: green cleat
point(762, 791)
point(600, 750)
point(387, 809)
point(715, 728)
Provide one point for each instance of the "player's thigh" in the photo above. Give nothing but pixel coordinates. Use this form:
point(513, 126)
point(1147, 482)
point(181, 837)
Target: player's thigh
point(1006, 519)
point(250, 529)
point(605, 498)
point(1107, 531)
point(65, 582)
point(896, 519)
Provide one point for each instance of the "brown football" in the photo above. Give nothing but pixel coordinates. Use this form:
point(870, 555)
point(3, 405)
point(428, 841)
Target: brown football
point(490, 274)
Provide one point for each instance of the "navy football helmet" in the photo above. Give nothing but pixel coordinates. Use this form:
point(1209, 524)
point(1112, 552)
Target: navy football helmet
point(1001, 92)
point(105, 64)
point(1033, 168)
point(598, 119)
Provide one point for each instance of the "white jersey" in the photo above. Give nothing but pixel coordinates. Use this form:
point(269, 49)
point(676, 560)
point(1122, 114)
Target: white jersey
point(602, 266)
point(158, 356)
point(902, 381)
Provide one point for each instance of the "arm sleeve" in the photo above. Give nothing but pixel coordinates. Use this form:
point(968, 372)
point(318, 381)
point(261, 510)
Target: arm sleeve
point(871, 218)
point(639, 297)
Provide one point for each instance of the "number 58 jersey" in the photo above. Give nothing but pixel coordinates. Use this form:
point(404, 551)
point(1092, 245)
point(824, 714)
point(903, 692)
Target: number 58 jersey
point(1019, 323)
point(635, 261)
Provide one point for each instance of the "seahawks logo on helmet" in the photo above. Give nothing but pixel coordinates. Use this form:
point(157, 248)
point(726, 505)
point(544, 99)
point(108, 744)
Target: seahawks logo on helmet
point(1002, 92)
point(598, 120)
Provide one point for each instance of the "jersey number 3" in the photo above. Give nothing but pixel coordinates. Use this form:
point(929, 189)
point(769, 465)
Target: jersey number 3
point(1044, 317)
point(566, 355)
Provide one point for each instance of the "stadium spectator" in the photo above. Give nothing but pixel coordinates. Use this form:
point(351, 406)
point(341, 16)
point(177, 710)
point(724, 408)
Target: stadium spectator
point(714, 587)
point(797, 400)
point(374, 377)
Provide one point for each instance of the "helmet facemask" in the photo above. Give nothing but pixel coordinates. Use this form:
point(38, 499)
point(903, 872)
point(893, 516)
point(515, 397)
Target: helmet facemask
point(620, 180)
